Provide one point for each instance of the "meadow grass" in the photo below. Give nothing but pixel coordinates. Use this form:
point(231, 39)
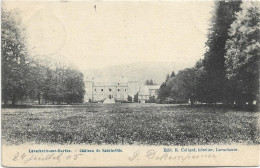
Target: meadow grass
point(140, 124)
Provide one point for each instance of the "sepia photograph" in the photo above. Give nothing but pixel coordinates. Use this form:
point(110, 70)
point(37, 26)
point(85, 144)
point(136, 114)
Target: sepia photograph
point(82, 79)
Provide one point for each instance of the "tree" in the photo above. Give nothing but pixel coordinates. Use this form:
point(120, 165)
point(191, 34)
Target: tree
point(129, 98)
point(165, 88)
point(173, 74)
point(15, 67)
point(243, 52)
point(185, 85)
point(136, 98)
point(200, 83)
point(74, 87)
point(152, 99)
point(24, 76)
point(149, 82)
point(63, 84)
point(37, 75)
point(214, 60)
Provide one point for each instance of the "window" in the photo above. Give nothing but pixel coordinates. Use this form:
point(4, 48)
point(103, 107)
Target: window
point(118, 90)
point(118, 84)
point(102, 90)
point(95, 89)
point(125, 90)
point(110, 90)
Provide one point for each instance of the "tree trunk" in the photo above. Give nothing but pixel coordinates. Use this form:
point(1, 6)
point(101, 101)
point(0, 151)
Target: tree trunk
point(39, 99)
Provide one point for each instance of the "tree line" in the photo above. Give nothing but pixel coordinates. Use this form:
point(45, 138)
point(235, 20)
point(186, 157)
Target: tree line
point(27, 79)
point(229, 71)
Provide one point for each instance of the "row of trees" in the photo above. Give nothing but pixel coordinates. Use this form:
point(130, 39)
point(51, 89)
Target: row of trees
point(25, 78)
point(229, 71)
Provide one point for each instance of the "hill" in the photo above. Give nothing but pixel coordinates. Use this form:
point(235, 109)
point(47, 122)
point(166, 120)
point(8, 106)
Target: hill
point(141, 71)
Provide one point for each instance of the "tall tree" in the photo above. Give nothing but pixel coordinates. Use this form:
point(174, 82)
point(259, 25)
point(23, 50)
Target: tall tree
point(243, 53)
point(165, 88)
point(15, 67)
point(214, 61)
point(37, 75)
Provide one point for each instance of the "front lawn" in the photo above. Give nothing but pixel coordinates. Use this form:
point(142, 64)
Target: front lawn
point(151, 124)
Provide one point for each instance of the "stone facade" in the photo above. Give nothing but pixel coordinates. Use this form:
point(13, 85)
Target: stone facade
point(119, 91)
point(99, 91)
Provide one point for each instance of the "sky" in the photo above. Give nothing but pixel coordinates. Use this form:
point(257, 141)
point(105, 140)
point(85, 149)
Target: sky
point(101, 34)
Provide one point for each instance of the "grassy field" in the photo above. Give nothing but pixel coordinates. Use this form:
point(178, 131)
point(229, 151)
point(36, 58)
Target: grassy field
point(151, 124)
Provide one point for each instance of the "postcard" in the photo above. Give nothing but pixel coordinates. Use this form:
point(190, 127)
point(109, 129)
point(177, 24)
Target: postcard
point(130, 83)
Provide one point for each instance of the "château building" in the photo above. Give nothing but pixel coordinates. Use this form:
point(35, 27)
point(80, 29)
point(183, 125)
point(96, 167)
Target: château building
point(119, 91)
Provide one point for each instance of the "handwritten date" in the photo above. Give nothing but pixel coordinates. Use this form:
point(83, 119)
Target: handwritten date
point(44, 157)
